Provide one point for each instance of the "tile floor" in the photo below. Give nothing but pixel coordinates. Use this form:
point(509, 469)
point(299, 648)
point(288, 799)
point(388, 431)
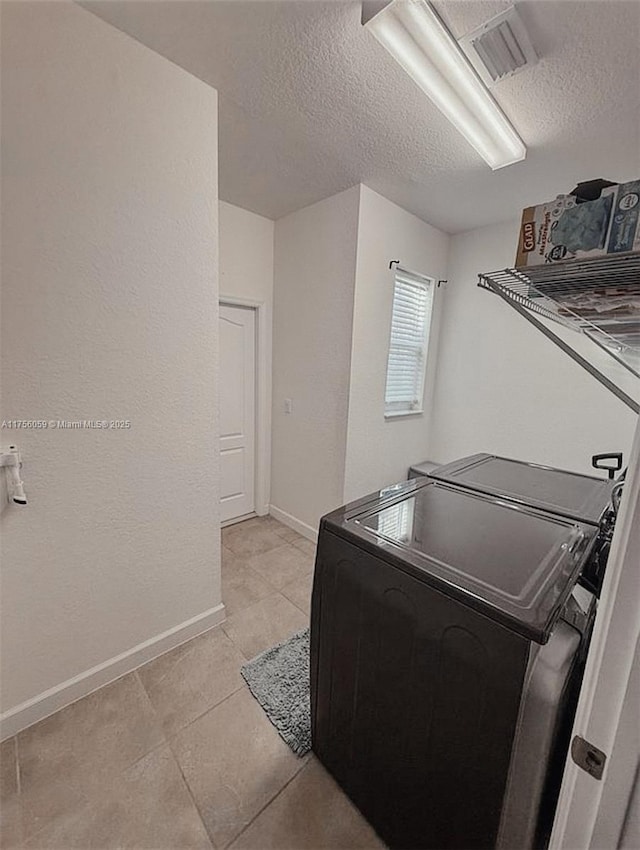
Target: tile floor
point(178, 754)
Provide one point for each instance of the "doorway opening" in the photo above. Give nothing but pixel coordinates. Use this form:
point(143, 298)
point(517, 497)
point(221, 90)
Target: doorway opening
point(243, 380)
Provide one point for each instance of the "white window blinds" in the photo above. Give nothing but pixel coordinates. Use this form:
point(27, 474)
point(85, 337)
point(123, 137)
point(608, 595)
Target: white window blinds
point(410, 323)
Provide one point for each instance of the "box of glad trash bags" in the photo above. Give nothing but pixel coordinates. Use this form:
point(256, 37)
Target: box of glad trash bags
point(597, 218)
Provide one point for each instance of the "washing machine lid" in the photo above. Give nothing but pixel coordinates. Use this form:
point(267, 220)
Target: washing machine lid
point(581, 497)
point(511, 562)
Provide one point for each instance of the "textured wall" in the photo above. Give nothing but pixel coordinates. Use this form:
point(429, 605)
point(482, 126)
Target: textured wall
point(109, 268)
point(315, 258)
point(502, 386)
point(379, 450)
point(246, 254)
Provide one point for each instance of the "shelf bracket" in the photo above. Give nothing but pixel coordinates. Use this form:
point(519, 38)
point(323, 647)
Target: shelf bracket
point(487, 283)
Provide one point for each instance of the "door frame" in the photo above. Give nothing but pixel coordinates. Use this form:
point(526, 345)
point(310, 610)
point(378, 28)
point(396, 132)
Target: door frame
point(608, 669)
point(262, 455)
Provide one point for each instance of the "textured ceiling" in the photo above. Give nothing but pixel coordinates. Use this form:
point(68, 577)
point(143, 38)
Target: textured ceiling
point(311, 104)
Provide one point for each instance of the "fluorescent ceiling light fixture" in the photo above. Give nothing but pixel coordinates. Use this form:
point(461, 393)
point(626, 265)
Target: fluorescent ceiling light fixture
point(414, 34)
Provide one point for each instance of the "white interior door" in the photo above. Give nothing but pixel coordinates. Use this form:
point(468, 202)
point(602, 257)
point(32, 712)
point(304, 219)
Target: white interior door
point(237, 410)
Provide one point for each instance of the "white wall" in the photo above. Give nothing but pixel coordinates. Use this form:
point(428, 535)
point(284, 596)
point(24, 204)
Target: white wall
point(380, 451)
point(246, 275)
point(502, 386)
point(315, 259)
point(109, 272)
point(246, 254)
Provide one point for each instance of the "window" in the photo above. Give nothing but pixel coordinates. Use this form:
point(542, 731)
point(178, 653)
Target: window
point(410, 324)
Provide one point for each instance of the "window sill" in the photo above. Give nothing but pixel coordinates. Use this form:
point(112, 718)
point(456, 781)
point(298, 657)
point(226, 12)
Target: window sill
point(402, 413)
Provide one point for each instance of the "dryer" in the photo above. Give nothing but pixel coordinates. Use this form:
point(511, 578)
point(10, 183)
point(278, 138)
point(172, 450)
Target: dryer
point(447, 647)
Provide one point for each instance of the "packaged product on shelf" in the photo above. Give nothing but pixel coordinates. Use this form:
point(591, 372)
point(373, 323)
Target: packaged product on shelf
point(624, 232)
point(572, 228)
point(597, 304)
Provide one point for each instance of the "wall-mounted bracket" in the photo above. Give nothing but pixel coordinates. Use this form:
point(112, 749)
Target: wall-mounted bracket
point(11, 460)
point(588, 757)
point(526, 308)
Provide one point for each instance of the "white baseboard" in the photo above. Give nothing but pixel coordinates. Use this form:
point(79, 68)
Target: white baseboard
point(27, 713)
point(262, 510)
point(296, 524)
point(225, 523)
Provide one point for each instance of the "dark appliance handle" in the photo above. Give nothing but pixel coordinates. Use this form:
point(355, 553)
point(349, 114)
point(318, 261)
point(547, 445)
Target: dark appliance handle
point(597, 461)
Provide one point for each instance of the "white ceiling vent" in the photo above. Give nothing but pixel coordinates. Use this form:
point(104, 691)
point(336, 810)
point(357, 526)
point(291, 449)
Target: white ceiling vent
point(500, 48)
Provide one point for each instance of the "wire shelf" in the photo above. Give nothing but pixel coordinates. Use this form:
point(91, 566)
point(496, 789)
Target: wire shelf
point(598, 297)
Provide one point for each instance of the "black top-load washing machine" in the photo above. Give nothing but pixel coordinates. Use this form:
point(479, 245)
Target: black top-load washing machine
point(448, 635)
